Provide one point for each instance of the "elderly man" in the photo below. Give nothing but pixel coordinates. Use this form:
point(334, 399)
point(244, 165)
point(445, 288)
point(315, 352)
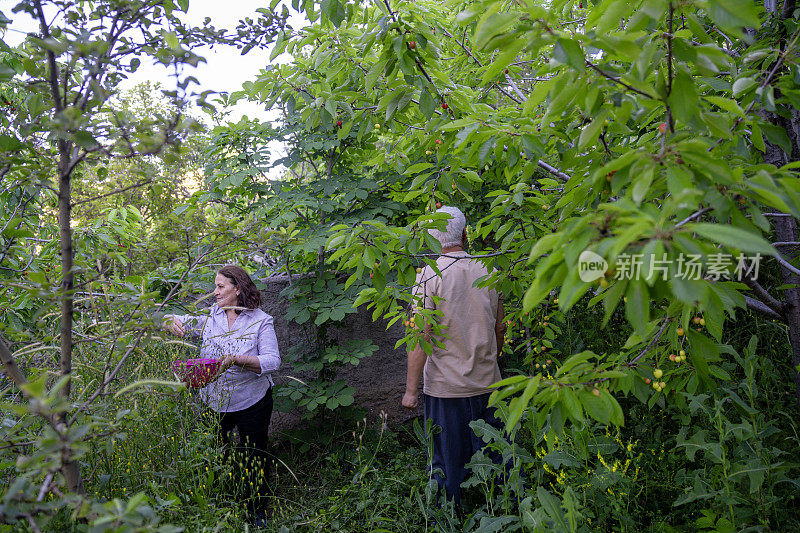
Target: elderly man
point(456, 377)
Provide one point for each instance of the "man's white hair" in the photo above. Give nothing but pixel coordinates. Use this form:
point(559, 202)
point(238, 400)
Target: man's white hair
point(455, 227)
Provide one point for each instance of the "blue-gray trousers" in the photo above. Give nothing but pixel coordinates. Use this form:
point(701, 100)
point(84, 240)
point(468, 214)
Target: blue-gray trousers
point(454, 446)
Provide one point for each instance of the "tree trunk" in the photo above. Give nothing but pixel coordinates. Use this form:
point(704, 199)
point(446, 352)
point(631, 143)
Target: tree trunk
point(67, 276)
point(71, 469)
point(786, 231)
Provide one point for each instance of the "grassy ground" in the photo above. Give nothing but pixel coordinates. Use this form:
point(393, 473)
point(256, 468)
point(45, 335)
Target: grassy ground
point(724, 461)
point(341, 473)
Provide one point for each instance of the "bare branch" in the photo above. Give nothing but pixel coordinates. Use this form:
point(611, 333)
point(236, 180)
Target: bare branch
point(32, 523)
point(10, 364)
point(52, 66)
point(786, 264)
point(46, 485)
point(764, 296)
point(693, 216)
point(757, 305)
point(616, 80)
point(115, 191)
point(788, 9)
point(553, 170)
point(652, 342)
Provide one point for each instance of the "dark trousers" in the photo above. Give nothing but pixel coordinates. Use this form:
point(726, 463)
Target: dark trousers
point(454, 446)
point(250, 457)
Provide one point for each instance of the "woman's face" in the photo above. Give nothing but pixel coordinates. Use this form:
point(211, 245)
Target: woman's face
point(226, 293)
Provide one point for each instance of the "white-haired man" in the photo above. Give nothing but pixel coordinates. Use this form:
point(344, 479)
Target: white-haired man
point(456, 378)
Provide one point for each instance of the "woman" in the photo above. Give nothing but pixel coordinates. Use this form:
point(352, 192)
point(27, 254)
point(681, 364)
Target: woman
point(239, 333)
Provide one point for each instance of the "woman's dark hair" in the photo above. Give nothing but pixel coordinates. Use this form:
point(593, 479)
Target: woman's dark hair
point(249, 295)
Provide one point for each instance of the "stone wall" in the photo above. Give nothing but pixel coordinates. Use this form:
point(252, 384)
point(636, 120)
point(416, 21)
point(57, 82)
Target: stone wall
point(379, 380)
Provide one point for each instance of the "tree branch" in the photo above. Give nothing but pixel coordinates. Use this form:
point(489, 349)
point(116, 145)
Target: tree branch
point(115, 191)
point(693, 216)
point(788, 8)
point(787, 265)
point(10, 364)
point(759, 306)
point(652, 342)
point(616, 80)
point(51, 61)
point(553, 170)
point(764, 296)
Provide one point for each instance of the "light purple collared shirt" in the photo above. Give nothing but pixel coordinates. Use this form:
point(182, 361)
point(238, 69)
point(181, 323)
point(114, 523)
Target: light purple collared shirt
point(251, 334)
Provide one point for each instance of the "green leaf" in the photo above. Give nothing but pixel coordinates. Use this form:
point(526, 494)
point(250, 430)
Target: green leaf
point(171, 39)
point(537, 96)
point(373, 74)
point(733, 237)
point(703, 350)
point(757, 138)
point(427, 103)
point(734, 15)
point(36, 387)
point(85, 140)
point(641, 184)
point(617, 416)
point(6, 72)
point(607, 15)
point(149, 383)
point(416, 168)
point(9, 143)
point(726, 104)
point(591, 131)
point(683, 97)
point(502, 61)
point(573, 407)
point(573, 361)
point(637, 306)
point(277, 48)
point(519, 405)
point(569, 52)
point(493, 25)
point(334, 11)
point(552, 507)
point(596, 406)
point(743, 85)
point(777, 135)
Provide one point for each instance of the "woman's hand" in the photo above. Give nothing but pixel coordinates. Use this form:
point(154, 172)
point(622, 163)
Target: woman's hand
point(227, 362)
point(176, 327)
point(246, 362)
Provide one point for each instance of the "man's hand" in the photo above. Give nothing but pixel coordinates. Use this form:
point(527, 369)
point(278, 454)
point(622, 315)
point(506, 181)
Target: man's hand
point(411, 400)
point(176, 328)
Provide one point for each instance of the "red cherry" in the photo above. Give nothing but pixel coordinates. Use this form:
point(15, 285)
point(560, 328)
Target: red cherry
point(412, 45)
point(338, 123)
point(438, 205)
point(506, 71)
point(444, 105)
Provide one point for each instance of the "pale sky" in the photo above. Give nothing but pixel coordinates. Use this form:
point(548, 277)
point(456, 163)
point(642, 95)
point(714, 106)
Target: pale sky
point(225, 69)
